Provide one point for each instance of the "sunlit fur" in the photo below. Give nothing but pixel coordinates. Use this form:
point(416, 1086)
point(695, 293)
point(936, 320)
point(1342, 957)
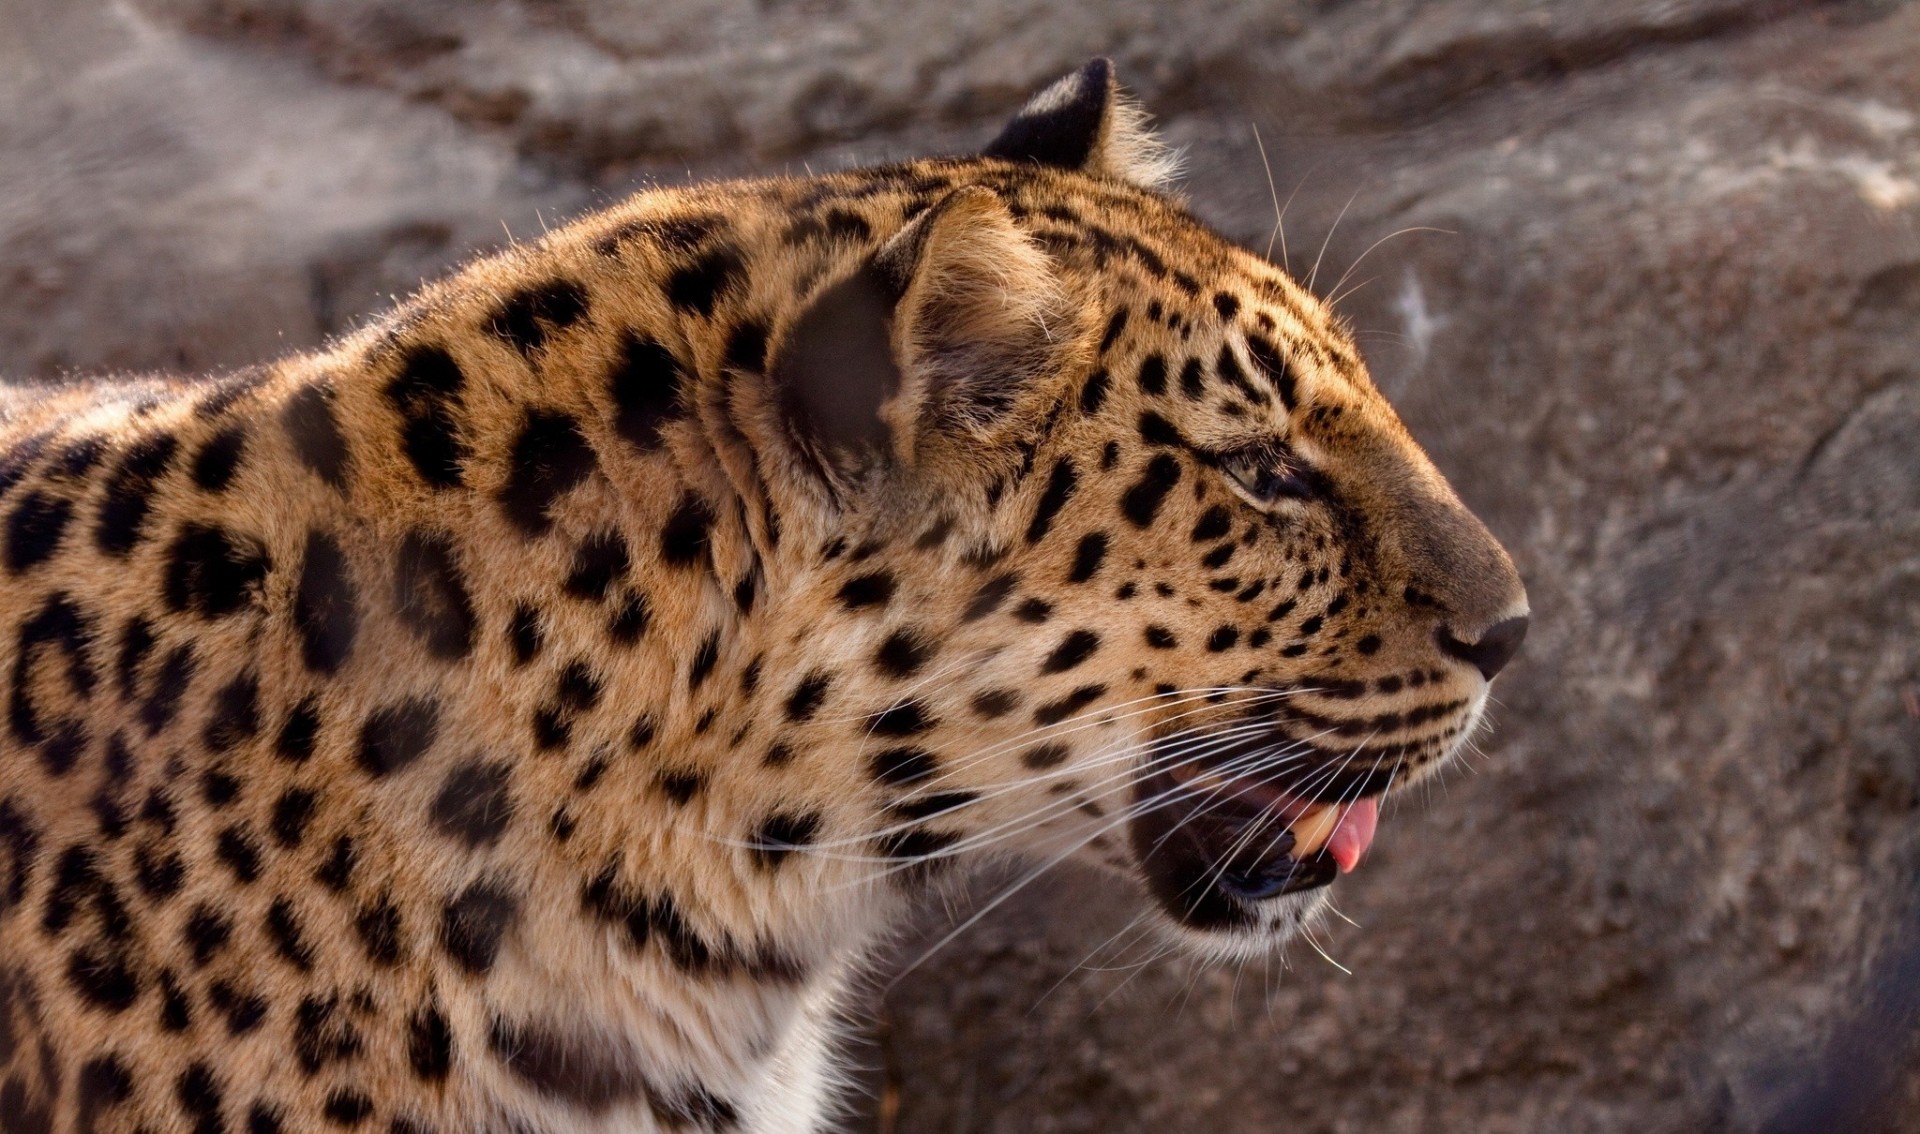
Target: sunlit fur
point(525, 713)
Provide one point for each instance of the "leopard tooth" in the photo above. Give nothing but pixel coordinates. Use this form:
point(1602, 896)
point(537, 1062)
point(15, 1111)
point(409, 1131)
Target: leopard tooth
point(1313, 828)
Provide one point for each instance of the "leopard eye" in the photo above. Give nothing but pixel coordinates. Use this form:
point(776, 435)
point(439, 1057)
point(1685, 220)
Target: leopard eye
point(1270, 474)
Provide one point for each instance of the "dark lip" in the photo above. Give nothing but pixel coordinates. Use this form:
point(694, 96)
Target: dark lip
point(1183, 842)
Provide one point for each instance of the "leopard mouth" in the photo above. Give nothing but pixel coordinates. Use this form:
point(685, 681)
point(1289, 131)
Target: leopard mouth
point(1213, 847)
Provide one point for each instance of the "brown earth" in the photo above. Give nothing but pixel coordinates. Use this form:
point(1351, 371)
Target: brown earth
point(1649, 290)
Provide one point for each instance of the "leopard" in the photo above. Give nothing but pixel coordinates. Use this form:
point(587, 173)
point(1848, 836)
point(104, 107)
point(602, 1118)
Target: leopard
point(537, 708)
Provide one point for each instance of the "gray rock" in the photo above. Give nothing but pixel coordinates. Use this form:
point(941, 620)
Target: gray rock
point(1667, 343)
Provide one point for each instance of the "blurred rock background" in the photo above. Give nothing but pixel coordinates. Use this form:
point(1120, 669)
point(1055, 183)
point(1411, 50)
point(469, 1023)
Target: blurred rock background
point(1644, 275)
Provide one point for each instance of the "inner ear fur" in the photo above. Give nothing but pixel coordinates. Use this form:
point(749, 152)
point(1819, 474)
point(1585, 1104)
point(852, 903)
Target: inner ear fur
point(937, 336)
point(982, 318)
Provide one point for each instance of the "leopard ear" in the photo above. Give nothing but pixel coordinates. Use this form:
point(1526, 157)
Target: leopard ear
point(982, 316)
point(1085, 122)
point(939, 332)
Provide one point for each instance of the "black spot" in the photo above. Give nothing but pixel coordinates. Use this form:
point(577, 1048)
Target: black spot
point(34, 528)
point(549, 457)
point(347, 1107)
point(600, 560)
point(236, 714)
point(1153, 375)
point(1088, 557)
point(1043, 756)
point(378, 926)
point(1216, 559)
point(780, 835)
point(236, 847)
point(1034, 610)
point(163, 702)
point(629, 621)
point(199, 1091)
point(646, 386)
point(396, 735)
point(322, 1034)
point(61, 624)
point(1213, 523)
point(136, 642)
point(228, 390)
point(532, 314)
point(473, 924)
point(289, 939)
point(833, 224)
point(747, 347)
point(1160, 638)
point(1093, 395)
point(1116, 324)
point(176, 1014)
point(584, 1072)
point(76, 879)
point(431, 596)
point(103, 978)
point(1278, 374)
point(426, 393)
point(988, 598)
point(807, 695)
point(1142, 500)
point(159, 874)
point(219, 459)
point(1157, 430)
point(1061, 483)
point(79, 458)
point(103, 1083)
point(1075, 648)
point(430, 1045)
point(681, 787)
point(212, 572)
point(903, 653)
point(875, 588)
point(903, 766)
point(1222, 639)
point(206, 933)
point(298, 734)
point(552, 728)
point(324, 605)
point(698, 286)
point(474, 806)
point(523, 633)
point(1053, 712)
point(908, 718)
point(704, 659)
point(314, 433)
point(336, 873)
point(1368, 645)
point(924, 807)
point(243, 1010)
point(683, 539)
point(1225, 304)
point(1109, 456)
point(1192, 379)
point(262, 1118)
point(995, 702)
point(911, 845)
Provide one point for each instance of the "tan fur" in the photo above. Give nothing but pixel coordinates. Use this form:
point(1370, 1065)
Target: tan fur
point(598, 1006)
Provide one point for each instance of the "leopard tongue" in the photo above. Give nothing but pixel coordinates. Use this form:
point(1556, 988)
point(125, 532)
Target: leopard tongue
point(1345, 830)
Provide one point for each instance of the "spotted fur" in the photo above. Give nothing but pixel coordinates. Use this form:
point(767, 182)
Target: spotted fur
point(527, 713)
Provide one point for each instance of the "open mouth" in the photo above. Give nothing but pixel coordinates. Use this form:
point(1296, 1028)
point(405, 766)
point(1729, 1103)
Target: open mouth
point(1212, 845)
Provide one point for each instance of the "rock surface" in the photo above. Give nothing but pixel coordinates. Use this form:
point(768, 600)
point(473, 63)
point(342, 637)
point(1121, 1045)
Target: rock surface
point(1643, 275)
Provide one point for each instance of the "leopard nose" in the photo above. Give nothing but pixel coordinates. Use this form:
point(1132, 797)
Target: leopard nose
point(1491, 652)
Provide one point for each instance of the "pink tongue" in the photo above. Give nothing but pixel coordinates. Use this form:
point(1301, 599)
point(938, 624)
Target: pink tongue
point(1354, 834)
